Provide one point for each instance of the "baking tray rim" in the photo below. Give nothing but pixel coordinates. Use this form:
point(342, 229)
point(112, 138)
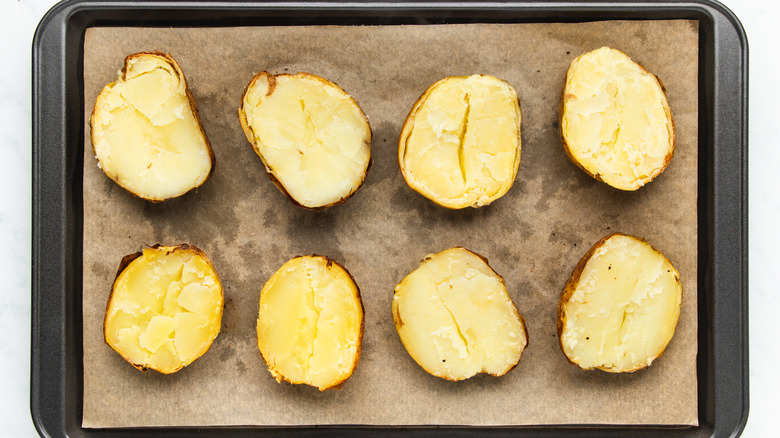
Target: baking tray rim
point(56, 240)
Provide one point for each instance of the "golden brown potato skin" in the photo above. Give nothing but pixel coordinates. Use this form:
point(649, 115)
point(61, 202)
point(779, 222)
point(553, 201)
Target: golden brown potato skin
point(567, 148)
point(125, 262)
point(571, 285)
point(272, 80)
point(193, 106)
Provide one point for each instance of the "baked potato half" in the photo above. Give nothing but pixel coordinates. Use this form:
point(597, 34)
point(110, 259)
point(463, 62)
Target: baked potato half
point(165, 308)
point(460, 143)
point(616, 123)
point(312, 137)
point(619, 309)
point(456, 319)
point(146, 133)
point(310, 323)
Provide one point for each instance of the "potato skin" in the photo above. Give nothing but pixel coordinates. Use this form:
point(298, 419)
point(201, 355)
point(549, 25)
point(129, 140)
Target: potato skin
point(571, 285)
point(250, 135)
point(406, 131)
point(125, 262)
point(596, 176)
point(193, 107)
point(336, 385)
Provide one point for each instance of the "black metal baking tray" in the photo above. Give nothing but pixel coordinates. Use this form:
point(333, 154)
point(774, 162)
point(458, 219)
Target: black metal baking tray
point(58, 131)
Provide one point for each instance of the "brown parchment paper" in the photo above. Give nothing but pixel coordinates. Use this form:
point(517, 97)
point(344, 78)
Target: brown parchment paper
point(533, 236)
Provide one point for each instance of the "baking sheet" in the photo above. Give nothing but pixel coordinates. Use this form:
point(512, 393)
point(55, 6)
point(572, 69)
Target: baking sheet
point(533, 236)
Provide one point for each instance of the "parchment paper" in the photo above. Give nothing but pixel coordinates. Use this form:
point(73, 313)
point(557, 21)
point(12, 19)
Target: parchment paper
point(533, 236)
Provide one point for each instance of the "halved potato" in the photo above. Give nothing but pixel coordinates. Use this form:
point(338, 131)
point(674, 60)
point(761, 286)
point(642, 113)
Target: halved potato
point(456, 319)
point(460, 144)
point(616, 124)
point(619, 309)
point(312, 137)
point(310, 323)
point(146, 133)
point(165, 308)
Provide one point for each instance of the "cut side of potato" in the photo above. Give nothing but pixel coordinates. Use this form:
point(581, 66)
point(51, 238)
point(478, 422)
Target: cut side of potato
point(616, 124)
point(310, 323)
point(460, 144)
point(165, 308)
point(456, 319)
point(146, 133)
point(312, 137)
point(619, 309)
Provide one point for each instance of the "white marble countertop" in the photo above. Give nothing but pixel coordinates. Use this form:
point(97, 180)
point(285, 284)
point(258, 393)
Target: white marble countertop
point(18, 20)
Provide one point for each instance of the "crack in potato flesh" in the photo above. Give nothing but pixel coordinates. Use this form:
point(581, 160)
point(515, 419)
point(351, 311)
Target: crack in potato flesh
point(620, 308)
point(310, 323)
point(460, 144)
point(311, 135)
point(165, 308)
point(615, 121)
point(456, 319)
point(146, 135)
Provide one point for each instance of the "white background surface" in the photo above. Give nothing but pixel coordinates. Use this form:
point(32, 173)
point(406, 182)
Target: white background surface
point(18, 20)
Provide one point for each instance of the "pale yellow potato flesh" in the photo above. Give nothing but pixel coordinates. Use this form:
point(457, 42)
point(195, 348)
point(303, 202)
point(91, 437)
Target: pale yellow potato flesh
point(311, 135)
point(460, 144)
point(456, 319)
point(146, 135)
point(619, 310)
point(310, 323)
point(615, 119)
point(165, 308)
